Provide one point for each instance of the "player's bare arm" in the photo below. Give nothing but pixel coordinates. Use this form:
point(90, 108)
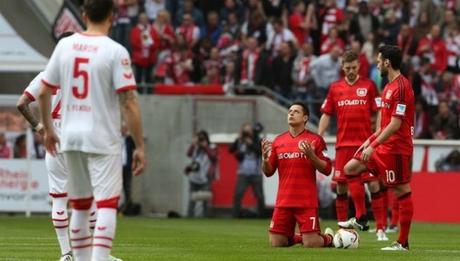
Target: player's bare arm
point(387, 132)
point(323, 123)
point(44, 101)
point(309, 150)
point(131, 114)
point(266, 166)
point(23, 107)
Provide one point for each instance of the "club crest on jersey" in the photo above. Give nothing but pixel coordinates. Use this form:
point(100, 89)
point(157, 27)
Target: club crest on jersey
point(125, 63)
point(361, 92)
point(388, 95)
point(400, 109)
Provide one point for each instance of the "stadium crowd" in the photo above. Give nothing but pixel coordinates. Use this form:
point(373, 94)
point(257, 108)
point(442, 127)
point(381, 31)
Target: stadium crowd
point(294, 47)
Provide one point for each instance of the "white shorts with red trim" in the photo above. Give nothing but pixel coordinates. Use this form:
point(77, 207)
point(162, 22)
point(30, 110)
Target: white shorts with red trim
point(97, 175)
point(58, 174)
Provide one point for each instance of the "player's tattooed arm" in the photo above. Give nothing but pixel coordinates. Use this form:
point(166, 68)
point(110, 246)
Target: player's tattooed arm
point(23, 107)
point(127, 96)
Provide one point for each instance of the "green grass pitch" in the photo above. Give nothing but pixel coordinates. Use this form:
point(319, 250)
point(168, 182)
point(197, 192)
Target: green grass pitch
point(218, 239)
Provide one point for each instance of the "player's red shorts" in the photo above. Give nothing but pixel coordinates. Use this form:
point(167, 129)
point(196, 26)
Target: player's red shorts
point(392, 169)
point(342, 156)
point(284, 220)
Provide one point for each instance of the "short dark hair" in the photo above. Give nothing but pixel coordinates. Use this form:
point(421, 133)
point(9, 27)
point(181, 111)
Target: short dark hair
point(98, 10)
point(393, 53)
point(303, 105)
point(349, 56)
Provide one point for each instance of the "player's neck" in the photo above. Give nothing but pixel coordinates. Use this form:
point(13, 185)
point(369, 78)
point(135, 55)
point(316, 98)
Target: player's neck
point(352, 82)
point(97, 29)
point(393, 74)
point(296, 130)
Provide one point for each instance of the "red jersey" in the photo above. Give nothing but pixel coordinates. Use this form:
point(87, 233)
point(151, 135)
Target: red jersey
point(398, 101)
point(297, 175)
point(353, 106)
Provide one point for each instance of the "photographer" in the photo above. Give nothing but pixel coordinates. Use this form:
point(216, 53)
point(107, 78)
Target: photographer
point(247, 151)
point(200, 171)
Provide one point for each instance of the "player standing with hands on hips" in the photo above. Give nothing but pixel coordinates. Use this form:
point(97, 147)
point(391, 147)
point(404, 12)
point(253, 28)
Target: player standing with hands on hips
point(94, 75)
point(296, 154)
point(388, 152)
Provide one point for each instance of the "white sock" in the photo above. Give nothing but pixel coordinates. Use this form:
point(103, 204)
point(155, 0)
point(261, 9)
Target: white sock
point(92, 217)
point(61, 222)
point(80, 235)
point(104, 233)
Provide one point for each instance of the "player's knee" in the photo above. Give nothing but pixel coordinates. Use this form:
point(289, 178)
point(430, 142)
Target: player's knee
point(309, 244)
point(374, 186)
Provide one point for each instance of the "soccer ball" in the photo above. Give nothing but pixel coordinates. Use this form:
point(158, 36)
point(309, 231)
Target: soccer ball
point(346, 238)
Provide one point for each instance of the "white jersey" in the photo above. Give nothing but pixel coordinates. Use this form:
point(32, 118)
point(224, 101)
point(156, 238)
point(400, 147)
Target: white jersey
point(90, 70)
point(32, 91)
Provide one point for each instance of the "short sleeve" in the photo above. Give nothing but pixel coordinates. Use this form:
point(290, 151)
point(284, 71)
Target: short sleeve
point(123, 77)
point(328, 105)
point(33, 89)
point(399, 100)
point(273, 159)
point(51, 75)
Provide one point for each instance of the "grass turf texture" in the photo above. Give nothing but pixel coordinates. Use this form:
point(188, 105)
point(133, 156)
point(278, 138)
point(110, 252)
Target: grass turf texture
point(218, 239)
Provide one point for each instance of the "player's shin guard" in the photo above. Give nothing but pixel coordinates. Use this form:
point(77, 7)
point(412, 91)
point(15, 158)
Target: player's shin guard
point(341, 207)
point(79, 230)
point(61, 221)
point(92, 217)
point(406, 211)
point(104, 232)
point(358, 195)
point(378, 210)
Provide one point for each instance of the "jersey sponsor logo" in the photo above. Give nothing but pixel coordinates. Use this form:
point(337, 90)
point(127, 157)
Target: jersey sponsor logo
point(351, 102)
point(126, 63)
point(337, 173)
point(378, 102)
point(361, 92)
point(401, 109)
point(291, 155)
point(128, 76)
point(388, 95)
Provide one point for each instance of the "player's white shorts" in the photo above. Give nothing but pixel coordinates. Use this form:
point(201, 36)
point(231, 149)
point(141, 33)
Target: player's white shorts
point(97, 175)
point(58, 174)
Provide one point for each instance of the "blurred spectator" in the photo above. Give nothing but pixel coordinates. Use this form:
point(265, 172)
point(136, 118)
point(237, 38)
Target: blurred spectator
point(256, 27)
point(232, 7)
point(332, 40)
point(163, 29)
point(122, 22)
point(253, 61)
point(213, 29)
point(369, 47)
point(364, 65)
point(20, 147)
point(326, 70)
point(247, 151)
point(445, 125)
point(390, 28)
point(133, 11)
point(449, 22)
point(279, 35)
point(423, 26)
point(189, 8)
point(201, 171)
point(301, 25)
point(433, 48)
point(227, 47)
point(177, 67)
point(189, 31)
point(233, 26)
point(253, 6)
point(452, 39)
point(145, 43)
point(422, 120)
point(331, 17)
point(406, 42)
point(230, 77)
point(363, 23)
point(275, 8)
point(213, 68)
point(153, 7)
point(39, 147)
point(282, 70)
point(424, 84)
point(303, 84)
point(449, 163)
point(5, 148)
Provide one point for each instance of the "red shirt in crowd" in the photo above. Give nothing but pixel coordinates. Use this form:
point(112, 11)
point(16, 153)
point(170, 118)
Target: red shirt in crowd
point(295, 21)
point(353, 105)
point(398, 101)
point(144, 44)
point(297, 175)
point(436, 52)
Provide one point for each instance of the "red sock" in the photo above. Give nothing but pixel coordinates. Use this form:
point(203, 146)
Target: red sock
point(327, 239)
point(406, 211)
point(358, 195)
point(378, 209)
point(394, 211)
point(341, 207)
point(385, 195)
point(296, 239)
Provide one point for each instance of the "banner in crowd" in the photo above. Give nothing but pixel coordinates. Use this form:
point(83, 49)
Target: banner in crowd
point(67, 20)
point(20, 192)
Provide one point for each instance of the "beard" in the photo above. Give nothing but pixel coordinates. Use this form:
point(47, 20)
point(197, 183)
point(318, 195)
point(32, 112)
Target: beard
point(384, 72)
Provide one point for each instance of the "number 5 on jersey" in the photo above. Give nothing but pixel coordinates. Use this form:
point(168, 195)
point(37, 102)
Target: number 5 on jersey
point(78, 72)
